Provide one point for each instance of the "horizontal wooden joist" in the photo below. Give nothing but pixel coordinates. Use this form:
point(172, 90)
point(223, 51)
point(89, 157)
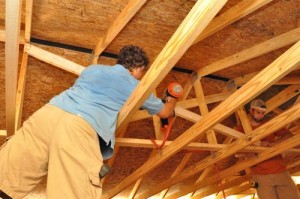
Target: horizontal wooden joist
point(189, 103)
point(194, 146)
point(3, 133)
point(53, 59)
point(2, 35)
point(262, 48)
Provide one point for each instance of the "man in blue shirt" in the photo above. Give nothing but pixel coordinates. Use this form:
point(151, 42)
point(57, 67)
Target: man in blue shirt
point(62, 138)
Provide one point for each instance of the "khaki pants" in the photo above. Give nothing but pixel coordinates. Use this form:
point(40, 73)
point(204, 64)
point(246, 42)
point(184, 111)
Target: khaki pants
point(276, 186)
point(56, 143)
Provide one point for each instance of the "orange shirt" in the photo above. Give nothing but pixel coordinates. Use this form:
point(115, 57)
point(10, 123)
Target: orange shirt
point(273, 165)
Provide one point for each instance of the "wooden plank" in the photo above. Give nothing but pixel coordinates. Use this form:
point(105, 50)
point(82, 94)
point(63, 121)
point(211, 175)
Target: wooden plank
point(53, 59)
point(197, 19)
point(2, 35)
point(21, 90)
point(12, 34)
point(211, 136)
point(280, 148)
point(28, 19)
point(190, 103)
point(177, 171)
point(235, 190)
point(3, 133)
point(193, 117)
point(239, 81)
point(277, 69)
point(159, 136)
point(146, 143)
point(232, 15)
point(122, 19)
point(214, 188)
point(244, 120)
point(187, 88)
point(255, 51)
point(282, 97)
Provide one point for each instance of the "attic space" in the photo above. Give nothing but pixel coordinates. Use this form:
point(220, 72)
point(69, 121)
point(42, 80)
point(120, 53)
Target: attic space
point(224, 53)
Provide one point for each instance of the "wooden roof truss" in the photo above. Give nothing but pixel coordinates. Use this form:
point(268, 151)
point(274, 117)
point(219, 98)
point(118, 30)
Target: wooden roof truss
point(198, 24)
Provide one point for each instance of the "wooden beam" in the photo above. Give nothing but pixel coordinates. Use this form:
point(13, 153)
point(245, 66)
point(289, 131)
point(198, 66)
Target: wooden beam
point(211, 136)
point(28, 19)
point(122, 19)
point(280, 148)
point(214, 188)
point(187, 88)
point(232, 15)
point(53, 59)
point(282, 97)
point(193, 117)
point(255, 51)
point(21, 90)
point(159, 136)
point(3, 133)
point(277, 69)
point(190, 103)
point(2, 35)
point(239, 81)
point(239, 188)
point(12, 34)
point(197, 19)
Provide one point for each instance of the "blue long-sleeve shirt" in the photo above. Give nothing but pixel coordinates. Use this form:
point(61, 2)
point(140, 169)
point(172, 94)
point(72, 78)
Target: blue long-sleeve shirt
point(98, 95)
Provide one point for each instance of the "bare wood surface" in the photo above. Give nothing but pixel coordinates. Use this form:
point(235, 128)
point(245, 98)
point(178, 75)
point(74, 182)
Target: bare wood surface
point(21, 90)
point(28, 19)
point(233, 14)
point(198, 18)
point(255, 51)
point(53, 59)
point(285, 63)
point(282, 97)
point(2, 35)
point(122, 19)
point(13, 20)
point(256, 135)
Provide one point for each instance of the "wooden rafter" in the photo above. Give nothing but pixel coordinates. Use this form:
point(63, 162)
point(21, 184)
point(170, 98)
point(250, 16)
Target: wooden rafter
point(3, 33)
point(279, 68)
point(282, 97)
point(239, 81)
point(122, 19)
point(53, 59)
point(230, 16)
point(146, 143)
point(21, 90)
point(23, 69)
point(198, 18)
point(159, 136)
point(255, 51)
point(215, 187)
point(189, 103)
point(252, 137)
point(28, 20)
point(12, 34)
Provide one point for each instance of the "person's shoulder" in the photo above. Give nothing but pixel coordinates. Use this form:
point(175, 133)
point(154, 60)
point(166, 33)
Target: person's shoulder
point(95, 66)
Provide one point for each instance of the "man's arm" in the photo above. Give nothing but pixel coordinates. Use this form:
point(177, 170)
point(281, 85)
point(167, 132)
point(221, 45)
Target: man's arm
point(168, 108)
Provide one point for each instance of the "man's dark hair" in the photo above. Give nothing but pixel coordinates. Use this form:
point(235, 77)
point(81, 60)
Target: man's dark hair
point(133, 57)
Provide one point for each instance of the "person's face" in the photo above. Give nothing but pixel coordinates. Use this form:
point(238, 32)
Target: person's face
point(138, 73)
point(258, 115)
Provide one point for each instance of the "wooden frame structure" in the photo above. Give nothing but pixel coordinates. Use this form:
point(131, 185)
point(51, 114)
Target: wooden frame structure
point(198, 24)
